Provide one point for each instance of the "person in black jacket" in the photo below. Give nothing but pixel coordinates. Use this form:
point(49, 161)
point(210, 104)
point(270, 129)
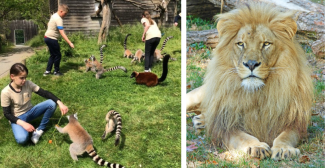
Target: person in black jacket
point(178, 17)
point(18, 109)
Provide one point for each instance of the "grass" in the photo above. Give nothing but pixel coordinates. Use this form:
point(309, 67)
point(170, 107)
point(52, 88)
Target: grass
point(6, 47)
point(198, 57)
point(322, 2)
point(151, 116)
point(209, 155)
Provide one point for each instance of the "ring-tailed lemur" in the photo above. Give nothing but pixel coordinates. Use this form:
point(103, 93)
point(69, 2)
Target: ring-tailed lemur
point(97, 67)
point(113, 119)
point(82, 142)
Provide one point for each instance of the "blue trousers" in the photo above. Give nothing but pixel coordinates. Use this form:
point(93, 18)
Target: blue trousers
point(47, 108)
point(55, 54)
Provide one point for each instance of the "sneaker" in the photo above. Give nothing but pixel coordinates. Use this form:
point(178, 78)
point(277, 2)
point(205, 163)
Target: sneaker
point(147, 70)
point(36, 135)
point(58, 73)
point(46, 73)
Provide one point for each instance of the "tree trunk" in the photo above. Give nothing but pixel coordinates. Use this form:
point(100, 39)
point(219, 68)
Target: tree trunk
point(103, 32)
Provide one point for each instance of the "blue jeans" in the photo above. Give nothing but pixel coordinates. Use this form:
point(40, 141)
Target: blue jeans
point(46, 107)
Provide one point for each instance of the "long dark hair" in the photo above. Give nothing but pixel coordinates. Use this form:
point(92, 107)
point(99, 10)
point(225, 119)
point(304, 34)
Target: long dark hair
point(17, 68)
point(146, 14)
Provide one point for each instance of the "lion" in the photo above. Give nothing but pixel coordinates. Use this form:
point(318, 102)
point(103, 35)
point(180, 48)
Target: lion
point(257, 91)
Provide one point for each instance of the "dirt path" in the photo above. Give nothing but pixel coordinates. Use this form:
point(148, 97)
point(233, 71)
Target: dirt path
point(19, 53)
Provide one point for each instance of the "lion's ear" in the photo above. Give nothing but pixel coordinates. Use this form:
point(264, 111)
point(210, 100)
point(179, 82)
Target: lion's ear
point(291, 27)
point(285, 28)
point(219, 26)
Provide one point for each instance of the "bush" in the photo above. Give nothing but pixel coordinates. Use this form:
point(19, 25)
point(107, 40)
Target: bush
point(200, 23)
point(37, 40)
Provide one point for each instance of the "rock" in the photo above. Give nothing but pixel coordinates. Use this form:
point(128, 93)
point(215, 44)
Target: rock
point(209, 37)
point(318, 47)
point(310, 20)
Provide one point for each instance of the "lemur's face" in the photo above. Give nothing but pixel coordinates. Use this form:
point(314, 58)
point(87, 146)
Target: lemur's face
point(134, 74)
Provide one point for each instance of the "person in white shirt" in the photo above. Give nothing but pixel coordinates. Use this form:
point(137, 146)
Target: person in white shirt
point(151, 36)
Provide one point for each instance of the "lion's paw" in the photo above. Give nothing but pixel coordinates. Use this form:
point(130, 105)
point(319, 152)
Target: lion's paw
point(198, 123)
point(284, 152)
point(261, 150)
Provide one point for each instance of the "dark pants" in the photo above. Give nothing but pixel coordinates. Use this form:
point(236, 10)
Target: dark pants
point(150, 48)
point(55, 54)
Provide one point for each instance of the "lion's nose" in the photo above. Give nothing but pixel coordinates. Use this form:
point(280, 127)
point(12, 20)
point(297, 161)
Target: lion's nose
point(251, 64)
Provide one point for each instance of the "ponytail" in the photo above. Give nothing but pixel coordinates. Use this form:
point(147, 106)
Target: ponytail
point(146, 14)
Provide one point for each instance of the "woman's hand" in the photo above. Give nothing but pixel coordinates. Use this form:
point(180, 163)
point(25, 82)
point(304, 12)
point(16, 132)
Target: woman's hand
point(64, 109)
point(28, 127)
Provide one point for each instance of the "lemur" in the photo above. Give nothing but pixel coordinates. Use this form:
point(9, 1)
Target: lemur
point(113, 119)
point(82, 142)
point(157, 55)
point(97, 67)
point(151, 79)
point(139, 54)
point(127, 52)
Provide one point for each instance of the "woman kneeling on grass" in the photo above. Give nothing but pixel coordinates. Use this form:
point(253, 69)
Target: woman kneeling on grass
point(18, 109)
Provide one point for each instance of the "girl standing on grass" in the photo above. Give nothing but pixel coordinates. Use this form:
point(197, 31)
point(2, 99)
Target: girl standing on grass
point(151, 35)
point(18, 109)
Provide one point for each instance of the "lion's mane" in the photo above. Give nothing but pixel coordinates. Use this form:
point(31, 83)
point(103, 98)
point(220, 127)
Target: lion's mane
point(284, 101)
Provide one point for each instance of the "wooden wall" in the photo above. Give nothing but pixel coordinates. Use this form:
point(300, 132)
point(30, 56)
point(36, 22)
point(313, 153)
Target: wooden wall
point(80, 12)
point(30, 29)
point(201, 8)
point(134, 13)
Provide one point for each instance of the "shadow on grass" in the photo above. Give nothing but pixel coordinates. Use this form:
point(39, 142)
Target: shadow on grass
point(177, 51)
point(70, 65)
point(122, 139)
point(116, 74)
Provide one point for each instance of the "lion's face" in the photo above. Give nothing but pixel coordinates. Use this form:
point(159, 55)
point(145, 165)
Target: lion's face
point(254, 56)
point(258, 80)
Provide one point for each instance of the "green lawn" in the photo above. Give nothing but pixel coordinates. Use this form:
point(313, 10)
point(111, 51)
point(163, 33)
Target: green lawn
point(151, 117)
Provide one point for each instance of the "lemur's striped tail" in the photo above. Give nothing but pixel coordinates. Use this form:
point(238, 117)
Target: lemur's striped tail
point(126, 38)
point(101, 52)
point(117, 67)
point(96, 158)
point(165, 41)
point(118, 125)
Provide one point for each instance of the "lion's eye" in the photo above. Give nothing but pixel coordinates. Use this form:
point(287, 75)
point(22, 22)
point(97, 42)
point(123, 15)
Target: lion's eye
point(266, 44)
point(241, 44)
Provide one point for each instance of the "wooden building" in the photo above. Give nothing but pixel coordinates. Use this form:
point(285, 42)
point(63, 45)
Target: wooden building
point(81, 16)
point(20, 31)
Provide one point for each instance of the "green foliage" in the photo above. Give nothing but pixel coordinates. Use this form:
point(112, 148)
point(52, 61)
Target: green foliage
point(37, 40)
point(198, 46)
point(151, 116)
point(201, 46)
point(200, 23)
point(322, 2)
point(66, 50)
point(6, 47)
point(36, 10)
